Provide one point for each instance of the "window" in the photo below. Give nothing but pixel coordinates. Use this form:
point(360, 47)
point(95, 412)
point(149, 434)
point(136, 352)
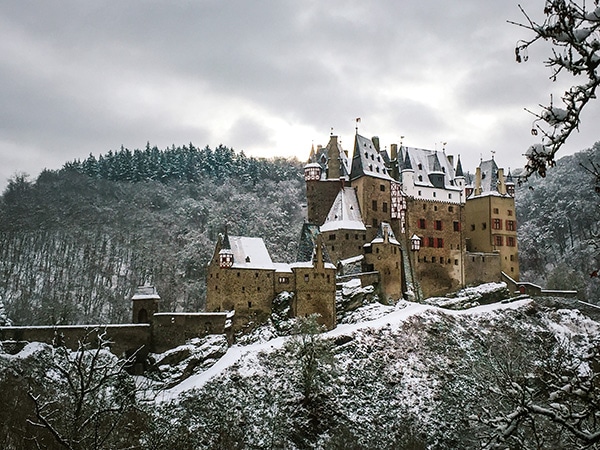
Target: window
point(498, 241)
point(430, 242)
point(483, 225)
point(256, 275)
point(434, 194)
point(422, 224)
point(420, 177)
point(511, 242)
point(332, 237)
point(433, 259)
point(496, 224)
point(509, 212)
point(284, 280)
point(434, 207)
point(424, 204)
point(449, 195)
point(472, 227)
point(456, 225)
point(440, 243)
point(512, 257)
point(456, 262)
point(384, 207)
point(306, 278)
point(419, 194)
point(511, 225)
point(450, 208)
point(495, 210)
point(249, 304)
point(437, 225)
point(347, 236)
point(374, 205)
point(382, 187)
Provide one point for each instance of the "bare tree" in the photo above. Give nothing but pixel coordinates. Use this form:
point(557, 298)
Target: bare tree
point(550, 402)
point(86, 399)
point(572, 28)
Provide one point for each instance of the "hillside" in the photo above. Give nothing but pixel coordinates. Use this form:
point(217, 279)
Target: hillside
point(413, 376)
point(559, 226)
point(75, 243)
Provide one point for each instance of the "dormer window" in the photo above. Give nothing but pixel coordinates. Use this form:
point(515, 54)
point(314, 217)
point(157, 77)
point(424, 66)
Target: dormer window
point(420, 166)
point(247, 259)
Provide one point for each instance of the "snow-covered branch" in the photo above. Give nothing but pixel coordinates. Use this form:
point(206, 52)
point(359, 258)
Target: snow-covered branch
point(573, 30)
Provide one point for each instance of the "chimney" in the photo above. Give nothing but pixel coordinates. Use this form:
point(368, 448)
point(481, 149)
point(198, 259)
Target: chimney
point(478, 181)
point(394, 151)
point(375, 140)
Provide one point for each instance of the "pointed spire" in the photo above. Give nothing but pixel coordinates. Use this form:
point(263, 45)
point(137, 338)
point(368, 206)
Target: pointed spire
point(509, 178)
point(311, 157)
point(459, 170)
point(407, 165)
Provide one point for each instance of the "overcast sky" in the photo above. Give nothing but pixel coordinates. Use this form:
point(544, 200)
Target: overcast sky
point(267, 77)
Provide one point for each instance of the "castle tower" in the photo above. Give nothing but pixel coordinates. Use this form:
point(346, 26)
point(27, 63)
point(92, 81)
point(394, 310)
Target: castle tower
point(326, 172)
point(145, 304)
point(315, 285)
point(491, 223)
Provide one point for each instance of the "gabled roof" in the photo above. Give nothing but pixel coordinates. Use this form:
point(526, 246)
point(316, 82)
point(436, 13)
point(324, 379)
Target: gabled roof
point(383, 230)
point(250, 253)
point(424, 162)
point(344, 213)
point(307, 246)
point(367, 161)
point(489, 176)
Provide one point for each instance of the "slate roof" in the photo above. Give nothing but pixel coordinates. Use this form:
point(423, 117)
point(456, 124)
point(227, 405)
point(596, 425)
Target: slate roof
point(306, 247)
point(367, 160)
point(459, 169)
point(424, 162)
point(385, 227)
point(322, 156)
point(489, 176)
point(344, 213)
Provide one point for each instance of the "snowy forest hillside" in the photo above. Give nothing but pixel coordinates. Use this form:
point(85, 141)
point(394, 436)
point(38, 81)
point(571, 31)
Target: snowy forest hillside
point(559, 226)
point(75, 242)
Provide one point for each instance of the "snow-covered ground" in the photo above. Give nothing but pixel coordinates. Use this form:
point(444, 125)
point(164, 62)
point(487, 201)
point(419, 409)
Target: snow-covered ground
point(375, 316)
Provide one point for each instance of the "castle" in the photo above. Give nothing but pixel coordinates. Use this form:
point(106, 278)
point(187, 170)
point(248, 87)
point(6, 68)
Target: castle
point(409, 221)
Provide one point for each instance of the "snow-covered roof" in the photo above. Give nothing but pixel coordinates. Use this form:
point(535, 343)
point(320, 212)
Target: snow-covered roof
point(352, 260)
point(424, 162)
point(250, 253)
point(489, 176)
point(145, 292)
point(282, 268)
point(367, 160)
point(309, 264)
point(344, 213)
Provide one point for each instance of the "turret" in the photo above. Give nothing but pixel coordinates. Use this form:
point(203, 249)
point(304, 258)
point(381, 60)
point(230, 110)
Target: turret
point(312, 172)
point(225, 254)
